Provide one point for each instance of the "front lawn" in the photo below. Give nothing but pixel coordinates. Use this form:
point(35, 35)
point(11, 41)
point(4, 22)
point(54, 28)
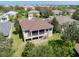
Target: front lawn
point(18, 44)
point(55, 36)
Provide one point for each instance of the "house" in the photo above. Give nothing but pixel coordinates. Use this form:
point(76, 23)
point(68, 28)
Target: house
point(64, 19)
point(33, 13)
point(70, 11)
point(11, 13)
point(57, 12)
point(4, 18)
point(28, 7)
point(35, 29)
point(61, 19)
point(6, 28)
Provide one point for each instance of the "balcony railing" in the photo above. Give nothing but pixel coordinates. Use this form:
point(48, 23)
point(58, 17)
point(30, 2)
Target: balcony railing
point(29, 36)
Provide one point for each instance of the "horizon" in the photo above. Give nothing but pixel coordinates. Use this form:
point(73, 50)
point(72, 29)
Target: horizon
point(39, 3)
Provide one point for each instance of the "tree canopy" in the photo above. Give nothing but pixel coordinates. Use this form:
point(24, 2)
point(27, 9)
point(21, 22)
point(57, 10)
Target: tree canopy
point(45, 12)
point(71, 32)
point(76, 15)
point(54, 48)
point(56, 26)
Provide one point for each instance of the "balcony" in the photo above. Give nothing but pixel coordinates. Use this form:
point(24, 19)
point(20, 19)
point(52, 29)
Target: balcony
point(35, 35)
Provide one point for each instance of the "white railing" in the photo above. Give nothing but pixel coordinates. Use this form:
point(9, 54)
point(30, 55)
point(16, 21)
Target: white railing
point(33, 36)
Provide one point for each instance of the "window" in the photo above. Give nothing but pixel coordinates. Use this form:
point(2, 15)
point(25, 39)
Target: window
point(4, 18)
point(46, 30)
point(50, 29)
point(25, 31)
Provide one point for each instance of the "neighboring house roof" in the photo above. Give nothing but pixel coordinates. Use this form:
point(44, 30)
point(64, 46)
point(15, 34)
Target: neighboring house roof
point(77, 48)
point(64, 19)
point(33, 11)
point(71, 10)
point(61, 19)
point(5, 27)
point(11, 13)
point(56, 11)
point(32, 25)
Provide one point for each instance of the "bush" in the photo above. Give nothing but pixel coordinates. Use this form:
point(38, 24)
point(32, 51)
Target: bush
point(54, 48)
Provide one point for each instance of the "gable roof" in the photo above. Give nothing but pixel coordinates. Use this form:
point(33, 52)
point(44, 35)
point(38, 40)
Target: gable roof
point(5, 27)
point(56, 11)
point(32, 25)
point(71, 10)
point(33, 11)
point(64, 19)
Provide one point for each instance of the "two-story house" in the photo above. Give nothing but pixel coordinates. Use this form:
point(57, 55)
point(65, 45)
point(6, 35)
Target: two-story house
point(36, 29)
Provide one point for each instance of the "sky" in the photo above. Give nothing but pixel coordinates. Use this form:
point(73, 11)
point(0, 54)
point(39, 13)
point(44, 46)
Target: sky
point(39, 2)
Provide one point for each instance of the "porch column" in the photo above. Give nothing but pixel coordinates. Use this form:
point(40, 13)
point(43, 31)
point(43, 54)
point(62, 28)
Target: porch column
point(44, 31)
point(38, 34)
point(31, 35)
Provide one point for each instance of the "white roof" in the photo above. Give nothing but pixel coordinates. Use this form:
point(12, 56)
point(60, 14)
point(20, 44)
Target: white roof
point(56, 11)
point(33, 11)
point(11, 12)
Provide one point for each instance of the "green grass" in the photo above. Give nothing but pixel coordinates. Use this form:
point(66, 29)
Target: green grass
point(55, 36)
point(18, 44)
point(22, 18)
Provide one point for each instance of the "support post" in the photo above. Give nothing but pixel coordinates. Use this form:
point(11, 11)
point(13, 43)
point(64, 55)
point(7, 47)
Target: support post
point(38, 34)
point(31, 35)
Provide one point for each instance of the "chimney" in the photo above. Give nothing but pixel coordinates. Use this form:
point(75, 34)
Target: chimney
point(30, 16)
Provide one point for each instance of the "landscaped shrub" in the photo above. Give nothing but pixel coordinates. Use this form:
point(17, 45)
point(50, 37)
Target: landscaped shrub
point(54, 48)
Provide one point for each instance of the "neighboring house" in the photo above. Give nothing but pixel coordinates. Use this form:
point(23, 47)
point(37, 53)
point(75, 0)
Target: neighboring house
point(4, 18)
point(33, 13)
point(35, 29)
point(11, 13)
point(64, 19)
point(70, 11)
point(28, 7)
point(6, 28)
point(57, 12)
point(61, 19)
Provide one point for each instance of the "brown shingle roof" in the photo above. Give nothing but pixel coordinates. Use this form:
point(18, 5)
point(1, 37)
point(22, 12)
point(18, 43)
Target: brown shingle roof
point(34, 25)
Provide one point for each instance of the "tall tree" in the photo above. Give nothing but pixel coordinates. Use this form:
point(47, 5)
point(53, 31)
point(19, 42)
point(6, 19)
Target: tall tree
point(45, 12)
point(17, 25)
point(71, 31)
point(56, 26)
point(76, 15)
